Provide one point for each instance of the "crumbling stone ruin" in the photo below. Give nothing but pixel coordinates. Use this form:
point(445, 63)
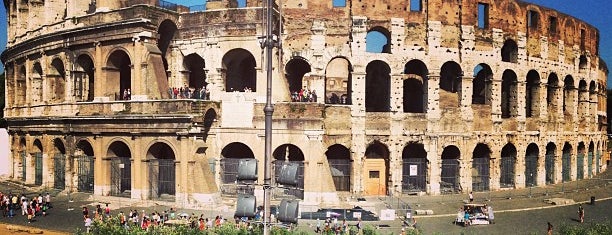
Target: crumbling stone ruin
point(151, 100)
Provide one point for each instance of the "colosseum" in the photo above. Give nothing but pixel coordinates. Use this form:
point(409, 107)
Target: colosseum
point(150, 100)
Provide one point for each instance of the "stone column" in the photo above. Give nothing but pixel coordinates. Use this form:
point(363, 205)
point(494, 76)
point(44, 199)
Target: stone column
point(467, 89)
point(433, 95)
point(434, 167)
point(140, 170)
point(495, 171)
point(99, 75)
point(541, 171)
point(519, 168)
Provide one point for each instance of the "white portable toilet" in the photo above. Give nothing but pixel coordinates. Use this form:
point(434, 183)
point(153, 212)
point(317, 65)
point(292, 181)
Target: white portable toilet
point(4, 153)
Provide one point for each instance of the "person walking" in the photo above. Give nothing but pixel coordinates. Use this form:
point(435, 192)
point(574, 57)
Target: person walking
point(550, 228)
point(581, 213)
point(471, 197)
point(87, 224)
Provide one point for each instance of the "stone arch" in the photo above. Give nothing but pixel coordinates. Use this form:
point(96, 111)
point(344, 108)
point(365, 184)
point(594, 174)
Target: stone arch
point(37, 83)
point(291, 153)
point(549, 162)
point(509, 94)
point(23, 152)
point(37, 161)
point(593, 91)
point(118, 75)
point(166, 31)
point(376, 169)
point(239, 70)
point(482, 84)
point(508, 166)
point(531, 164)
point(450, 181)
point(21, 86)
point(121, 168)
point(84, 78)
point(532, 95)
point(509, 52)
point(568, 95)
point(378, 87)
point(59, 164)
point(378, 40)
point(582, 61)
point(195, 66)
point(295, 70)
point(161, 171)
point(580, 161)
point(552, 92)
point(85, 170)
point(338, 81)
point(56, 81)
point(590, 156)
point(415, 167)
point(450, 84)
point(481, 169)
point(231, 155)
point(340, 166)
point(583, 98)
point(415, 87)
point(566, 161)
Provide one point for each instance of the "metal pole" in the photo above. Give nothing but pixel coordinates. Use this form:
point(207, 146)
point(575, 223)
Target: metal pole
point(268, 110)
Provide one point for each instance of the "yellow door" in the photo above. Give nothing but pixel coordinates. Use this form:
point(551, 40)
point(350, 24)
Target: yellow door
point(375, 176)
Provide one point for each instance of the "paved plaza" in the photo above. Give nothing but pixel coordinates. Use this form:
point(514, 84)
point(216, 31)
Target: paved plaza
point(518, 211)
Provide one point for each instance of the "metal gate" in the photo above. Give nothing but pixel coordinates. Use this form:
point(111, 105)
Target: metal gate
point(565, 167)
point(23, 166)
point(580, 166)
point(414, 176)
point(85, 173)
point(229, 178)
point(59, 171)
point(162, 178)
point(531, 170)
point(297, 192)
point(121, 180)
point(590, 164)
point(506, 179)
point(341, 173)
point(549, 166)
point(480, 174)
point(38, 168)
point(449, 179)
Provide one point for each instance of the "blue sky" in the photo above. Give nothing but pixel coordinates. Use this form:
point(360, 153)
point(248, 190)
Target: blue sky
point(594, 12)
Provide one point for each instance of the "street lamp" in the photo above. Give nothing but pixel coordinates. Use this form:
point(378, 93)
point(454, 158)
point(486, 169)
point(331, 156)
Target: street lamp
point(268, 43)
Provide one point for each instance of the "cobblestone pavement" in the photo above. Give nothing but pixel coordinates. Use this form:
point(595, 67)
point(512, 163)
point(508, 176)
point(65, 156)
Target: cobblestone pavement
point(514, 208)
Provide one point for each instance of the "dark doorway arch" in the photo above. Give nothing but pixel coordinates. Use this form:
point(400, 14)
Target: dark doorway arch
point(37, 84)
point(568, 95)
point(195, 66)
point(121, 169)
point(84, 78)
point(162, 171)
point(532, 95)
point(482, 84)
point(509, 95)
point(580, 161)
point(231, 155)
point(119, 75)
point(566, 162)
point(507, 166)
point(590, 154)
point(378, 87)
point(552, 92)
point(167, 31)
point(84, 155)
point(450, 84)
point(56, 81)
point(239, 67)
point(509, 52)
point(59, 164)
point(415, 87)
point(481, 170)
point(549, 162)
point(340, 166)
point(531, 165)
point(294, 72)
point(289, 153)
point(449, 176)
point(415, 167)
point(338, 81)
point(37, 155)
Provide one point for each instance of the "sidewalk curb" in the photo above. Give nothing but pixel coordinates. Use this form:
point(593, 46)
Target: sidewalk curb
point(515, 210)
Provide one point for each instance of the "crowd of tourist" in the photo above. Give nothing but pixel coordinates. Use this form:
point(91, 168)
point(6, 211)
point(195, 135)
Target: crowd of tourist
point(304, 95)
point(189, 93)
point(11, 204)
